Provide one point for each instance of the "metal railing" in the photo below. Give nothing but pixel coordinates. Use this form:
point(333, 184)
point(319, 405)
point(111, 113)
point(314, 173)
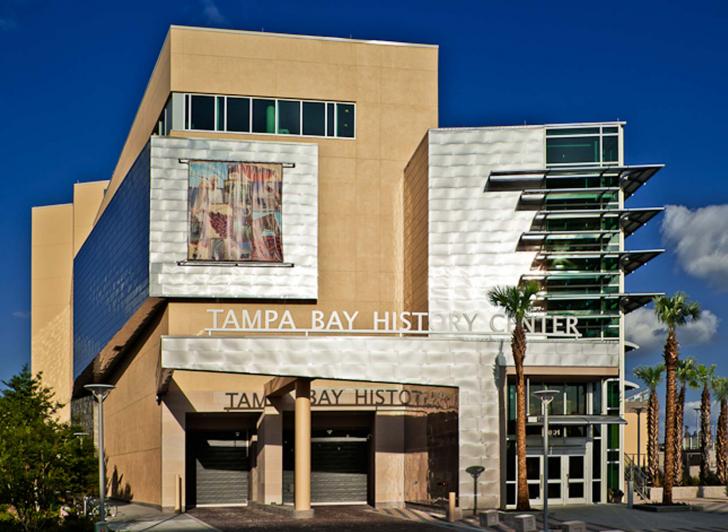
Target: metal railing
point(637, 477)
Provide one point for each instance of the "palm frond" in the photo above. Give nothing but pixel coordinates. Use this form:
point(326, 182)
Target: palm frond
point(676, 310)
point(650, 375)
point(686, 372)
point(516, 301)
point(720, 388)
point(705, 374)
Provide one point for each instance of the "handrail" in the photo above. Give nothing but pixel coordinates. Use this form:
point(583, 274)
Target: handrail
point(640, 479)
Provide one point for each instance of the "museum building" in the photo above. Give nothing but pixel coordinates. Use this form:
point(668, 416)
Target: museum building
point(286, 281)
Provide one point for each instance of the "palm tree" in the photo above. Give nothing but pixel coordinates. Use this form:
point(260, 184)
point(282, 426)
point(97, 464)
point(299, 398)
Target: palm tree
point(517, 302)
point(720, 387)
point(651, 376)
point(672, 311)
point(705, 375)
point(687, 378)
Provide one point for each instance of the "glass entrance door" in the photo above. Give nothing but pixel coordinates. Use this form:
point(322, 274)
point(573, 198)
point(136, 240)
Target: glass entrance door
point(555, 483)
point(566, 482)
point(574, 479)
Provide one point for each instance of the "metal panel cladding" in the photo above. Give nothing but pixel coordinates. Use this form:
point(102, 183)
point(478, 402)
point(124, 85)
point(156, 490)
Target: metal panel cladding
point(111, 270)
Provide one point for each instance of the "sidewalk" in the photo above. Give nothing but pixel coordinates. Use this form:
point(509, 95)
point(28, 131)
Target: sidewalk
point(135, 517)
point(617, 516)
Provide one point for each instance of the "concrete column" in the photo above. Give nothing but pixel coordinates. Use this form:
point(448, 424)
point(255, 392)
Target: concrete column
point(303, 447)
point(269, 456)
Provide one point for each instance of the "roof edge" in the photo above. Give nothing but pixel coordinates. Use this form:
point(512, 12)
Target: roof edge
point(301, 36)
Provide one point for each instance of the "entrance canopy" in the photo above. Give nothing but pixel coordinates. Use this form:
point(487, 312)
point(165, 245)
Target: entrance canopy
point(577, 420)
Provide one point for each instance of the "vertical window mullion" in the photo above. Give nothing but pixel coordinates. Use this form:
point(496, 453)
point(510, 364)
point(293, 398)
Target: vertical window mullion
point(187, 111)
point(276, 118)
point(250, 114)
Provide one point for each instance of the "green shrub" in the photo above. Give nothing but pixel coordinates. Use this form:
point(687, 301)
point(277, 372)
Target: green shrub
point(42, 463)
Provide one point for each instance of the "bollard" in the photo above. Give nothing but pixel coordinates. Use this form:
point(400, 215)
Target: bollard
point(525, 523)
point(573, 526)
point(630, 492)
point(489, 518)
point(452, 512)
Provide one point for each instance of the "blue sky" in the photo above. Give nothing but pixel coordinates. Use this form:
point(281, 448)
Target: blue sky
point(74, 73)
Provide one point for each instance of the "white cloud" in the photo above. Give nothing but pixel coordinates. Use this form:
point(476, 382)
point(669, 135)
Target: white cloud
point(700, 240)
point(642, 328)
point(212, 12)
point(21, 314)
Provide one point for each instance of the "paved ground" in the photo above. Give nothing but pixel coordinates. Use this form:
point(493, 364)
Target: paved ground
point(133, 517)
point(138, 518)
point(714, 517)
point(326, 518)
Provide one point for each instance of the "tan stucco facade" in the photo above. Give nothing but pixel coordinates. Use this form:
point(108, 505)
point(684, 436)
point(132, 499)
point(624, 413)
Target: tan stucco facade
point(360, 244)
point(58, 231)
point(635, 423)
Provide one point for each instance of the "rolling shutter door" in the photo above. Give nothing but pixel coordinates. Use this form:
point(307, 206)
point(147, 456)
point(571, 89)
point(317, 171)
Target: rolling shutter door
point(339, 469)
point(222, 471)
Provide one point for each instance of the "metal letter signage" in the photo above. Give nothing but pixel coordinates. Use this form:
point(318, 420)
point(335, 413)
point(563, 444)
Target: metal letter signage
point(386, 322)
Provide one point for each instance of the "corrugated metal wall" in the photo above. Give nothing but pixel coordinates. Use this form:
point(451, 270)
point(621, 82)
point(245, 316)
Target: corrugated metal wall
point(171, 277)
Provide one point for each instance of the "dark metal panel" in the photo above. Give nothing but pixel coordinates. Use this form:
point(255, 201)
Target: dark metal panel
point(111, 270)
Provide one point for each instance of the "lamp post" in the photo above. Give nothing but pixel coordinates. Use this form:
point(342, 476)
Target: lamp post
point(100, 392)
point(546, 396)
point(697, 426)
point(639, 409)
point(475, 471)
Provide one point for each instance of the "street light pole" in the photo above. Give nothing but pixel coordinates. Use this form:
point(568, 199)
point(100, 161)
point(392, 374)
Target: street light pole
point(546, 396)
point(639, 433)
point(100, 392)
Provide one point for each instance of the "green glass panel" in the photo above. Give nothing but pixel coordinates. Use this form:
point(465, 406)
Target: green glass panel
point(575, 399)
point(264, 116)
point(238, 114)
point(344, 120)
point(203, 113)
point(613, 476)
point(610, 149)
point(572, 131)
point(612, 436)
point(314, 118)
point(613, 394)
point(572, 150)
point(289, 117)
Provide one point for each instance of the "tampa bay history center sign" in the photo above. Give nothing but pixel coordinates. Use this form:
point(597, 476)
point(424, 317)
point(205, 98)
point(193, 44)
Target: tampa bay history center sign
point(404, 322)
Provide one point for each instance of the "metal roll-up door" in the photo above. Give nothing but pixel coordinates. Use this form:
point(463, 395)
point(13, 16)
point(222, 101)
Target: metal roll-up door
point(339, 470)
point(222, 472)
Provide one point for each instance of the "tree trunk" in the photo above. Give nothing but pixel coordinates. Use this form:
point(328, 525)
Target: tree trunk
point(705, 434)
point(653, 416)
point(671, 356)
point(721, 443)
point(518, 347)
point(679, 418)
